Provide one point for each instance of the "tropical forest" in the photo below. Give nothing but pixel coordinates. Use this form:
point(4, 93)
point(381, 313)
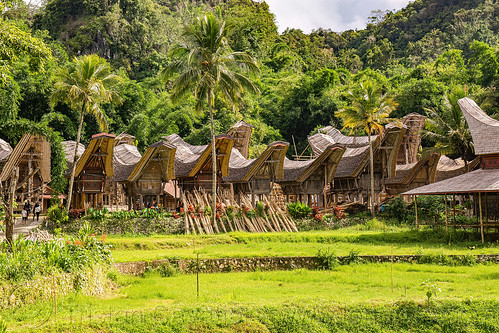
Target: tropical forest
point(192, 166)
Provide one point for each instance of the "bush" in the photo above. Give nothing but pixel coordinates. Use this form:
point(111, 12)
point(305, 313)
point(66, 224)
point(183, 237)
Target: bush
point(57, 215)
point(397, 209)
point(327, 259)
point(299, 210)
point(167, 270)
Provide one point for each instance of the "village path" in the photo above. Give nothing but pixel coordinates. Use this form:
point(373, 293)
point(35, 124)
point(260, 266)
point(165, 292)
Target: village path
point(21, 228)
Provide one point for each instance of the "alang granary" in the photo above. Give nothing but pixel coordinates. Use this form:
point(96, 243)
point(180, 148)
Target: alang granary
point(173, 174)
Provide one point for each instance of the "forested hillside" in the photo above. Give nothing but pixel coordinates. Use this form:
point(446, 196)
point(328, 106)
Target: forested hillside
point(422, 55)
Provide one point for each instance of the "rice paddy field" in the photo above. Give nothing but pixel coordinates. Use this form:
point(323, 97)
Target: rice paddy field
point(359, 297)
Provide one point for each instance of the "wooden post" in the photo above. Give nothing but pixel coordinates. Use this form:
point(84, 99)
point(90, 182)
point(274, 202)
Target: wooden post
point(481, 217)
point(325, 185)
point(454, 207)
point(416, 209)
point(446, 224)
point(392, 267)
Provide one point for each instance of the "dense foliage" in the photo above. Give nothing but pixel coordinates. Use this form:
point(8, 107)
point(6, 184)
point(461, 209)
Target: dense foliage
point(420, 55)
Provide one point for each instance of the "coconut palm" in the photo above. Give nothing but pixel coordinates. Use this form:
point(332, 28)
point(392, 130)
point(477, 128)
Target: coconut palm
point(206, 67)
point(83, 86)
point(448, 128)
point(369, 109)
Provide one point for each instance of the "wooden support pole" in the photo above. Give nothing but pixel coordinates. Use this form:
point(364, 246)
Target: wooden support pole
point(481, 217)
point(416, 209)
point(446, 223)
point(454, 207)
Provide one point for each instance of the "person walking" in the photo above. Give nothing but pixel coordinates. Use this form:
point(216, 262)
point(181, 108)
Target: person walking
point(24, 215)
point(36, 211)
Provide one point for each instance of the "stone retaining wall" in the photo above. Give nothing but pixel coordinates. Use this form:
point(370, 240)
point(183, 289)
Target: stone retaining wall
point(188, 266)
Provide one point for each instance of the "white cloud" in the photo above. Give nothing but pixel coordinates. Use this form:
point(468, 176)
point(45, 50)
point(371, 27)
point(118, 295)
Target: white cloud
point(337, 15)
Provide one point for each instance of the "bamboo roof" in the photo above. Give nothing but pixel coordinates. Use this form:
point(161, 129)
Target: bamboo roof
point(356, 155)
point(101, 146)
point(448, 168)
point(5, 150)
point(299, 171)
point(481, 180)
point(411, 140)
point(125, 158)
point(124, 138)
point(242, 169)
point(484, 129)
point(69, 149)
point(37, 148)
point(241, 132)
point(161, 152)
point(189, 159)
point(406, 173)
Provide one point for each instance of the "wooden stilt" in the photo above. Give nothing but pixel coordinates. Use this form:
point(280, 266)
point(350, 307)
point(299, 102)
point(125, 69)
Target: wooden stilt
point(416, 209)
point(454, 207)
point(481, 217)
point(446, 223)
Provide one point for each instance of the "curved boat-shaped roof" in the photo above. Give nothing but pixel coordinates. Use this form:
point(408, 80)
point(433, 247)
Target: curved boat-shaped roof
point(484, 129)
point(40, 147)
point(242, 169)
point(161, 152)
point(101, 145)
point(189, 159)
point(299, 171)
point(5, 150)
point(125, 158)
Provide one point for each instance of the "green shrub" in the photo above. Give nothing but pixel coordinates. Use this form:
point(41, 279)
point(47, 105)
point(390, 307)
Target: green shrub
point(397, 209)
point(96, 214)
point(167, 270)
point(299, 210)
point(326, 259)
point(3, 325)
point(57, 215)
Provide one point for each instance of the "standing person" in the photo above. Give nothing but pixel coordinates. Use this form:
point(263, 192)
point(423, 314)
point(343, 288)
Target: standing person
point(37, 211)
point(28, 209)
point(24, 214)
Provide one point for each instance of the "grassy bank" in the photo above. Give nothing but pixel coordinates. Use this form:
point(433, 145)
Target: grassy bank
point(348, 298)
point(342, 242)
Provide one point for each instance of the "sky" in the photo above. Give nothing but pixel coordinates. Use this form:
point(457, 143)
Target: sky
point(337, 15)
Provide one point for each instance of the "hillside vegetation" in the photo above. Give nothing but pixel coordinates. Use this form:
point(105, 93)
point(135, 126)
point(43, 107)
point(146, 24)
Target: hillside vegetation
point(420, 54)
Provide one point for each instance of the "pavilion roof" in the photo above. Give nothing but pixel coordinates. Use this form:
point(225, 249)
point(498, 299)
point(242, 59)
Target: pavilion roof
point(481, 180)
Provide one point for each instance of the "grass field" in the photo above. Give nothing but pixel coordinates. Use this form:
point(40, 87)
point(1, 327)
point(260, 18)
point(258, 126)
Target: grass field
point(341, 241)
point(289, 301)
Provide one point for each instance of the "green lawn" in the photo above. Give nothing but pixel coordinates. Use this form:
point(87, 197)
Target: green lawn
point(250, 298)
point(342, 242)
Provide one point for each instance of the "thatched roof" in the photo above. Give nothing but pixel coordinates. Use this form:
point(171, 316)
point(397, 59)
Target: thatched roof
point(69, 149)
point(161, 152)
point(241, 132)
point(125, 158)
point(356, 155)
point(448, 168)
point(189, 159)
point(124, 138)
point(41, 158)
point(406, 173)
point(299, 171)
point(242, 169)
point(101, 146)
point(481, 180)
point(5, 150)
point(484, 129)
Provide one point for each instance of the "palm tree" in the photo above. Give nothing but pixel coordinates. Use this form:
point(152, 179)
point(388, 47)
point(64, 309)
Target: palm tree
point(449, 130)
point(206, 67)
point(84, 86)
point(368, 110)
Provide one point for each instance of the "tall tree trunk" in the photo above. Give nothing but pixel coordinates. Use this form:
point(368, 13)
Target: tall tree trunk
point(214, 164)
point(371, 172)
point(75, 158)
point(9, 213)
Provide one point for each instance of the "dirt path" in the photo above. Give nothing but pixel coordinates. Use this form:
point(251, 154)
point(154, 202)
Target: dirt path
point(21, 228)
